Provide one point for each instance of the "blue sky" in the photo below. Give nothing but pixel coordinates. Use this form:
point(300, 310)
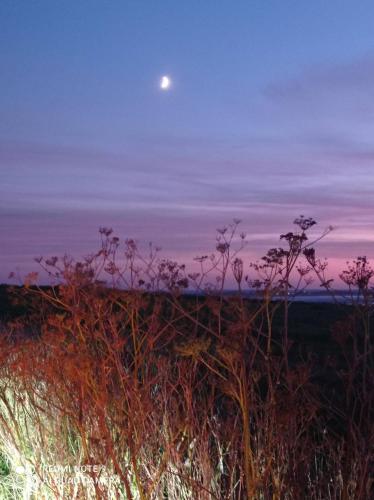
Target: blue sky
point(271, 114)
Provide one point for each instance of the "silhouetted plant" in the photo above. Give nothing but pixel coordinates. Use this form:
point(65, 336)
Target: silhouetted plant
point(186, 396)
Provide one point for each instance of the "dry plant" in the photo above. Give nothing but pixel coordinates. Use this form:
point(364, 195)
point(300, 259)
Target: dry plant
point(119, 385)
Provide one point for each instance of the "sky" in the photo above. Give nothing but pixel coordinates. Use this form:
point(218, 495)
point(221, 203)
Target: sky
point(270, 115)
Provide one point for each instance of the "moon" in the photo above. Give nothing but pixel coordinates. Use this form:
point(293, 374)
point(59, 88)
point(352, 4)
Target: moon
point(165, 82)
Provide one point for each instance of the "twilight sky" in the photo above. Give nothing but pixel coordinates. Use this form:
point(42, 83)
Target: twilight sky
point(271, 115)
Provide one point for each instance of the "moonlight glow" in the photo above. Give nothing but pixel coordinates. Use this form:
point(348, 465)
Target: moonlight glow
point(165, 83)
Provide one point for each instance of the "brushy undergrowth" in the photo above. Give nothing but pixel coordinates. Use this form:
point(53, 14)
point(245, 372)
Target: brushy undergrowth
point(131, 389)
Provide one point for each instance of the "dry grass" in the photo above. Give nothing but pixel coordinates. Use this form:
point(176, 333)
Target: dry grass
point(180, 397)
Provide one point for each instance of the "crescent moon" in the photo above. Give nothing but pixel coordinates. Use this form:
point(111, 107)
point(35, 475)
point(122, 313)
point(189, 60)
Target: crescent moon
point(165, 82)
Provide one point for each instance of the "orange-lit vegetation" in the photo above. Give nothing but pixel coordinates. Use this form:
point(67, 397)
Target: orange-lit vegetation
point(186, 396)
